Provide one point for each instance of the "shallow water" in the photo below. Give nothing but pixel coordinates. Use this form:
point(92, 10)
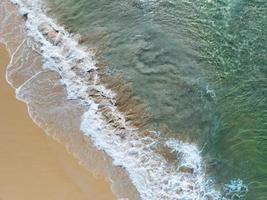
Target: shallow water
point(48, 106)
point(200, 66)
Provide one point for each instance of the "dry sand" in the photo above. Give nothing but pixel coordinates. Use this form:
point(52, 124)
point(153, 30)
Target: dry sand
point(33, 166)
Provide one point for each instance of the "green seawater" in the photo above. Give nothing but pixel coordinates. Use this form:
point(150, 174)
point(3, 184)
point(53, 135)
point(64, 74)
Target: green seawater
point(199, 65)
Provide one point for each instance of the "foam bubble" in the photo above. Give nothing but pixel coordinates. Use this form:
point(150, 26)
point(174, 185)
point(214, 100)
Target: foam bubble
point(236, 189)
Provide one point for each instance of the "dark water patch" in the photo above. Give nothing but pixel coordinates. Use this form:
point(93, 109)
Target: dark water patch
point(238, 52)
point(201, 68)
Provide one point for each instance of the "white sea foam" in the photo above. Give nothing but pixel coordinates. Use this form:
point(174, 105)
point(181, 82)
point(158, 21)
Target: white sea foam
point(154, 177)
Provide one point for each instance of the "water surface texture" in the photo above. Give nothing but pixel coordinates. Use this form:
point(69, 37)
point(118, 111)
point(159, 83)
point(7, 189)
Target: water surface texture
point(199, 66)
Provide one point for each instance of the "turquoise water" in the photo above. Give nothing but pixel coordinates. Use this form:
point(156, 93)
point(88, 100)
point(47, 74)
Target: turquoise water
point(199, 66)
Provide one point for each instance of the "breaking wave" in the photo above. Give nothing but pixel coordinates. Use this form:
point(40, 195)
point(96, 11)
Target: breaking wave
point(138, 152)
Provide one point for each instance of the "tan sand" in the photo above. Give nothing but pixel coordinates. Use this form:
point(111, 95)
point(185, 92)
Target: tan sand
point(33, 166)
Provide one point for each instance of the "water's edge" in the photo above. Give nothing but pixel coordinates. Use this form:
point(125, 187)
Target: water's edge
point(96, 161)
point(73, 70)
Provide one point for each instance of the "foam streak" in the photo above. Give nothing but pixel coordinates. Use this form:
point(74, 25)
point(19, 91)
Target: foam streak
point(152, 175)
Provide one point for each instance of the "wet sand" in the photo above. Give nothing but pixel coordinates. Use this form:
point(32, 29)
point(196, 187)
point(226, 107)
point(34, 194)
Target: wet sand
point(32, 165)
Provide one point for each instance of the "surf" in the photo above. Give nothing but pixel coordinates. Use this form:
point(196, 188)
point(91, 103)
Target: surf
point(153, 177)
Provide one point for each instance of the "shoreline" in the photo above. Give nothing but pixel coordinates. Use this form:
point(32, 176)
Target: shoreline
point(94, 112)
point(102, 122)
point(33, 166)
point(27, 64)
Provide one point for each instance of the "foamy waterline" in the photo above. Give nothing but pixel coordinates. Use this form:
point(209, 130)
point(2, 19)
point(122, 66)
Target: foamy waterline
point(152, 175)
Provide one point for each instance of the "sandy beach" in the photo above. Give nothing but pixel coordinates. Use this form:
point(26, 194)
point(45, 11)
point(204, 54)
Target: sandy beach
point(33, 166)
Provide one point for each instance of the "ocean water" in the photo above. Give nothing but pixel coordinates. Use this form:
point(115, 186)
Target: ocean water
point(199, 69)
